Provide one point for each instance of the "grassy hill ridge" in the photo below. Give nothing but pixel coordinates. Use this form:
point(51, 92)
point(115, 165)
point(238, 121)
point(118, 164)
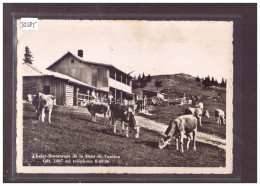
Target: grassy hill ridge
point(175, 85)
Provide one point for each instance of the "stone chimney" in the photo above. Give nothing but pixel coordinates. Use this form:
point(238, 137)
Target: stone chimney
point(80, 53)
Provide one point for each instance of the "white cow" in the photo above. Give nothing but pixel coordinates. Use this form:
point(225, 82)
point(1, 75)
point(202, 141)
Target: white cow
point(182, 125)
point(30, 98)
point(198, 113)
point(189, 102)
point(199, 105)
point(220, 117)
point(41, 103)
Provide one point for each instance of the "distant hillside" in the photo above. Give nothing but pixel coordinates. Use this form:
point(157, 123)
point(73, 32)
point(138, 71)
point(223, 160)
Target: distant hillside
point(176, 85)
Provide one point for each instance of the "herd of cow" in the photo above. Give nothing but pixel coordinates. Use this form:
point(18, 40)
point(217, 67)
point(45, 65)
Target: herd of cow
point(124, 113)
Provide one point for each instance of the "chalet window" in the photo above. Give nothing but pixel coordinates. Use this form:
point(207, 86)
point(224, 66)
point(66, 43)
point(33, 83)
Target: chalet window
point(124, 80)
point(118, 77)
point(46, 89)
point(129, 82)
point(112, 74)
point(72, 60)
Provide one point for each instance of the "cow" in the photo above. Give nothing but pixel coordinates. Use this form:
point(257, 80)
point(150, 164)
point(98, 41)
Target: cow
point(32, 100)
point(110, 98)
point(198, 113)
point(220, 117)
point(200, 105)
point(131, 104)
point(42, 102)
point(31, 97)
point(125, 102)
point(97, 108)
point(182, 125)
point(125, 115)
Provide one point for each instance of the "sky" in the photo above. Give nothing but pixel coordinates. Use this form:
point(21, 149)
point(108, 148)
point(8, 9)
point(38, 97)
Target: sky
point(154, 47)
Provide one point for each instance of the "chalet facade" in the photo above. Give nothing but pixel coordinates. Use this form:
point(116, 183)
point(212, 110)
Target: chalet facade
point(63, 87)
point(104, 77)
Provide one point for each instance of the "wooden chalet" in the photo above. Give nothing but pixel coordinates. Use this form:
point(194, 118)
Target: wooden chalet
point(68, 91)
point(150, 93)
point(104, 77)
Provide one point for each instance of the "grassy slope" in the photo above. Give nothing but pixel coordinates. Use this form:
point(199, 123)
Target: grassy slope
point(72, 131)
point(165, 114)
point(182, 83)
point(178, 84)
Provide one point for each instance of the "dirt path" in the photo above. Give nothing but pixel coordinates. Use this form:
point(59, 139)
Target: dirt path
point(201, 137)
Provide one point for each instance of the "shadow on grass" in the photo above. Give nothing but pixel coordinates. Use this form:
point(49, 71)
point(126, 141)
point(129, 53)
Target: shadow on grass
point(152, 144)
point(29, 118)
point(30, 109)
point(110, 132)
point(103, 122)
point(84, 119)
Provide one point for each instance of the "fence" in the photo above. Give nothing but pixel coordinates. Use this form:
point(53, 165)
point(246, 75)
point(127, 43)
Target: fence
point(84, 97)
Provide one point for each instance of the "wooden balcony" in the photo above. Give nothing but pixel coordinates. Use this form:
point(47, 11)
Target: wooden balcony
point(119, 85)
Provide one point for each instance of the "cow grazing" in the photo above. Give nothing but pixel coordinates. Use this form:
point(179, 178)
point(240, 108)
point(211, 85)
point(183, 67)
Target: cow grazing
point(198, 113)
point(98, 108)
point(220, 117)
point(200, 106)
point(182, 125)
point(41, 103)
point(125, 115)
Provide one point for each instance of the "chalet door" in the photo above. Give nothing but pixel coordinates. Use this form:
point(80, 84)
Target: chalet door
point(46, 89)
point(69, 95)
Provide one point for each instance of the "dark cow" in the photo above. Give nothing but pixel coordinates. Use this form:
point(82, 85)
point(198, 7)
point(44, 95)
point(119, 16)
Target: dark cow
point(125, 115)
point(98, 108)
point(182, 125)
point(41, 103)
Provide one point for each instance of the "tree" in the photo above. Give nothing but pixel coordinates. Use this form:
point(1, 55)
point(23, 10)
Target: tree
point(136, 84)
point(143, 84)
point(148, 78)
point(223, 83)
point(158, 84)
point(143, 77)
point(139, 77)
point(28, 58)
point(216, 82)
point(206, 82)
point(198, 79)
point(212, 79)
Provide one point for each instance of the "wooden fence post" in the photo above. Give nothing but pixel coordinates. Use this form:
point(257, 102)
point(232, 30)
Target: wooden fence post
point(77, 95)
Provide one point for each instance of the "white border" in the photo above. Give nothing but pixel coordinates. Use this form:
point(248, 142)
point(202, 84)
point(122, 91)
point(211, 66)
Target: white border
point(130, 170)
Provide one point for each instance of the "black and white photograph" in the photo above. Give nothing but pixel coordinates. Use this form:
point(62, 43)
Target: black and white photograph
point(124, 96)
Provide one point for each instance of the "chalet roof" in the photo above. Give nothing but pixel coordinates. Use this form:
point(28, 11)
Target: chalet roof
point(88, 62)
point(33, 71)
point(144, 90)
